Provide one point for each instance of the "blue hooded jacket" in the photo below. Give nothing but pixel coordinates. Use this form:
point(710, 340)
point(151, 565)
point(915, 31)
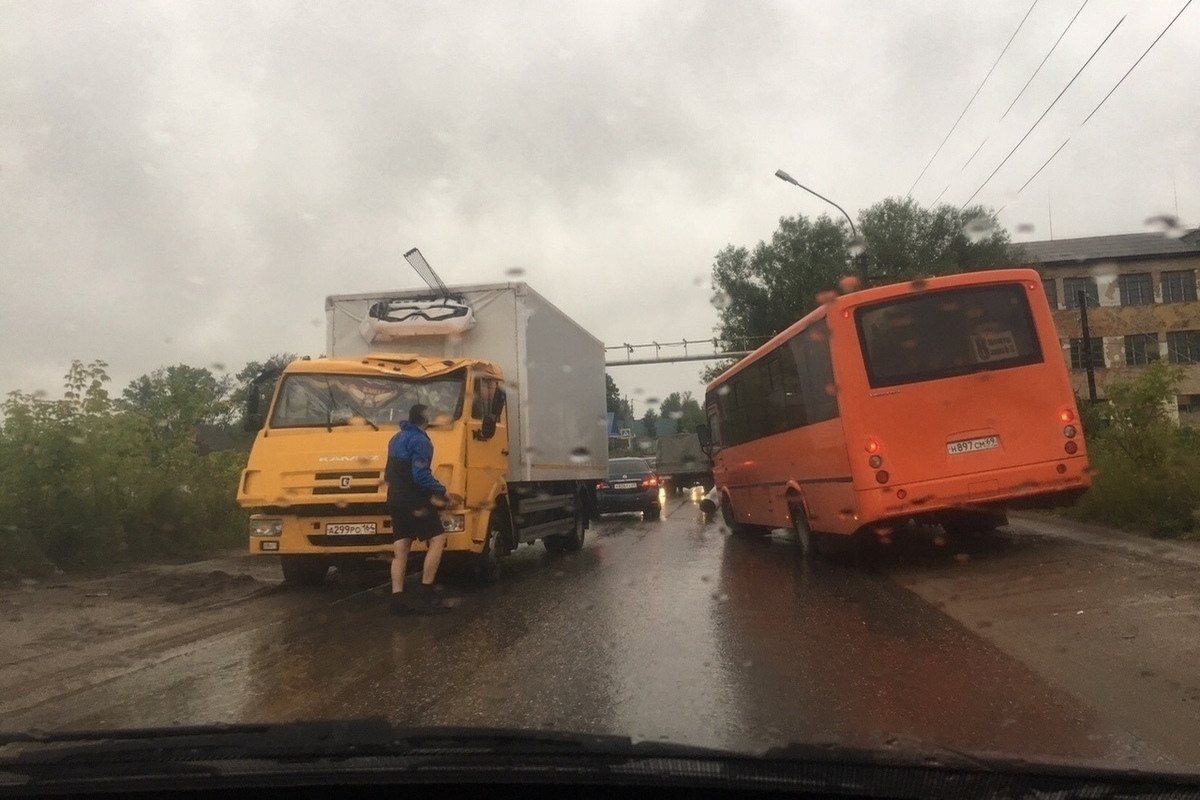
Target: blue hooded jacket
point(409, 477)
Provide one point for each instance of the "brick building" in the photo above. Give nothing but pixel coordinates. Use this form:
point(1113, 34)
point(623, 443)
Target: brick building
point(1142, 306)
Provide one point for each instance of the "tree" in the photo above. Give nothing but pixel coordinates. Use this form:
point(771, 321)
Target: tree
point(762, 291)
point(683, 410)
point(649, 422)
point(612, 395)
point(180, 397)
point(902, 240)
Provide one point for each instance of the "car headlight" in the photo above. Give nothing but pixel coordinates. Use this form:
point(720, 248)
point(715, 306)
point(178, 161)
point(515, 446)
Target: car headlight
point(453, 523)
point(266, 527)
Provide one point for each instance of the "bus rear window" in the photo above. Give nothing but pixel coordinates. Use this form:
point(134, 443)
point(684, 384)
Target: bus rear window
point(943, 334)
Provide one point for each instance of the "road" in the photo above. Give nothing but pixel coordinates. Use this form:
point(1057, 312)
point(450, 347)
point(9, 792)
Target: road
point(1044, 640)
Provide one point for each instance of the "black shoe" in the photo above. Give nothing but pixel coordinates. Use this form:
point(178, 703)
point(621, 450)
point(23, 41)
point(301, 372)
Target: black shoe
point(434, 601)
point(400, 605)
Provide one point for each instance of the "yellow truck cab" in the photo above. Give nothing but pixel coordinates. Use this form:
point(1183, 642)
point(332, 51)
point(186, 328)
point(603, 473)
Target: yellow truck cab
point(515, 392)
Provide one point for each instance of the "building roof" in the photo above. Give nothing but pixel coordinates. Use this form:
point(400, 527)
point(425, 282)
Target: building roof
point(1115, 247)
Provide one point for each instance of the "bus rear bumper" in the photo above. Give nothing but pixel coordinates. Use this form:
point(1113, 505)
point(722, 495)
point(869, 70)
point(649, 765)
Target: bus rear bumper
point(1050, 484)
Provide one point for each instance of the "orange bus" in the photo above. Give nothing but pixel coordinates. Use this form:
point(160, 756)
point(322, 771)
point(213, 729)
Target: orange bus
point(942, 401)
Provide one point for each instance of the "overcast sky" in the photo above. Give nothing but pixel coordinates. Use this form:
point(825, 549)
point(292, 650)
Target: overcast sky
point(186, 182)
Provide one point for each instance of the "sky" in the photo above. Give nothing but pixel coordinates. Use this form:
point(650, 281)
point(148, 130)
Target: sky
point(185, 182)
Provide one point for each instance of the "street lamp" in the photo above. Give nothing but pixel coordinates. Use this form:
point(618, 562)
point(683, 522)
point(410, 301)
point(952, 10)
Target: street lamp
point(859, 258)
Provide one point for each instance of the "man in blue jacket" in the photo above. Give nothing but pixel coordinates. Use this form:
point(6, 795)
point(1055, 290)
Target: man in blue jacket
point(413, 498)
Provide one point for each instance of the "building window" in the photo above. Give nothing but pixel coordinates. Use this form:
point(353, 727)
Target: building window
point(1052, 291)
point(1077, 353)
point(1179, 286)
point(1183, 347)
point(1141, 349)
point(1189, 410)
point(1073, 286)
point(1135, 289)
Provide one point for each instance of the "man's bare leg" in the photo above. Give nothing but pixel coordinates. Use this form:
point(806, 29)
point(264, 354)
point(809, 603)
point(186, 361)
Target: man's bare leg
point(400, 550)
point(433, 558)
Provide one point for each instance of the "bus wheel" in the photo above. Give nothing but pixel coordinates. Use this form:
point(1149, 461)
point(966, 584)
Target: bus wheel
point(740, 528)
point(304, 570)
point(806, 540)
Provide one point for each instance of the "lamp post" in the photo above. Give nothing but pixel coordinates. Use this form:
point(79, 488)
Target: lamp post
point(860, 260)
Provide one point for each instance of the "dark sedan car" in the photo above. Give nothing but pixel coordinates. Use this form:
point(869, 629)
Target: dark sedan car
point(632, 485)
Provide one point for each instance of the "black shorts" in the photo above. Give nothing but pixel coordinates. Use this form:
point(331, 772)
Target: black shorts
point(419, 522)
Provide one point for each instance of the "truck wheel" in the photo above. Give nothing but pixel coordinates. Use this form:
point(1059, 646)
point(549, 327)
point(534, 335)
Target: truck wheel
point(569, 542)
point(304, 570)
point(487, 563)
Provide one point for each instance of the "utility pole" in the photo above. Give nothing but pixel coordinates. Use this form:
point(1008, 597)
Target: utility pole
point(1087, 345)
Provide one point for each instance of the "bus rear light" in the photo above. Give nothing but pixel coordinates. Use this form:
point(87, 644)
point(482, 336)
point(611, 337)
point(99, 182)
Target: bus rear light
point(1071, 448)
point(901, 494)
point(1067, 415)
point(1069, 431)
point(1061, 468)
point(875, 461)
point(881, 476)
point(872, 446)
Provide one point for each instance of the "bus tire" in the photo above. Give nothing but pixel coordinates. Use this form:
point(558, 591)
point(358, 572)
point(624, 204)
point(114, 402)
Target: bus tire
point(807, 542)
point(739, 528)
point(304, 570)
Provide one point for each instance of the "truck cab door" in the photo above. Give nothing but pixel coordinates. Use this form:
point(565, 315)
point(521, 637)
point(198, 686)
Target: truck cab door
point(487, 444)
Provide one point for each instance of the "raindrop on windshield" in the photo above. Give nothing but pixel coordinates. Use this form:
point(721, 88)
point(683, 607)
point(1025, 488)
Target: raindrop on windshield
point(638, 391)
point(720, 301)
point(217, 366)
point(979, 228)
point(849, 284)
point(701, 282)
point(645, 446)
point(856, 246)
point(827, 296)
point(1025, 227)
point(514, 272)
point(652, 401)
point(531, 451)
point(316, 322)
point(831, 389)
point(918, 284)
point(1168, 225)
point(723, 390)
point(567, 368)
point(580, 455)
point(675, 415)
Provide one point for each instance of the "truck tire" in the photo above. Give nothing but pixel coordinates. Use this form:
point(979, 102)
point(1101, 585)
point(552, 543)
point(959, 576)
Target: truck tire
point(304, 570)
point(486, 569)
point(573, 541)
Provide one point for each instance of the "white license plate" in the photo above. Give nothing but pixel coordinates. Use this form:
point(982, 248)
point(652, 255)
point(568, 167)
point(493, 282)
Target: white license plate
point(350, 529)
point(631, 485)
point(972, 445)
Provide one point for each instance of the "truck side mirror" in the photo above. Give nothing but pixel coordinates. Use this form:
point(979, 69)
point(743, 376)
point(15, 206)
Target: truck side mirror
point(254, 421)
point(704, 436)
point(498, 400)
point(488, 429)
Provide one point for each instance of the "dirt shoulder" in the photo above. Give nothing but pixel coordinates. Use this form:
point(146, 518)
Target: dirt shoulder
point(60, 634)
point(1114, 618)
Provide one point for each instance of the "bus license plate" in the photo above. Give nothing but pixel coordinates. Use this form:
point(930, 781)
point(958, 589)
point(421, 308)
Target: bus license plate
point(971, 445)
point(630, 485)
point(350, 529)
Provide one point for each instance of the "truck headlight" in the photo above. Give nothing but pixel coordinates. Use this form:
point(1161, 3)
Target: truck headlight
point(453, 523)
point(266, 527)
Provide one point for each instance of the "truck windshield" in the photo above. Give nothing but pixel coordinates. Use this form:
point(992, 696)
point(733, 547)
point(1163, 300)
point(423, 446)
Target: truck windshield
point(943, 334)
point(318, 400)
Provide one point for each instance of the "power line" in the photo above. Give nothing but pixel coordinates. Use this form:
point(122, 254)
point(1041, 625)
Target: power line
point(972, 100)
point(1044, 113)
point(1148, 49)
point(1043, 166)
point(1044, 60)
point(1110, 92)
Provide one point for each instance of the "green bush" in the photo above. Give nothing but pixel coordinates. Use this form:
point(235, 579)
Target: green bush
point(88, 480)
point(1147, 469)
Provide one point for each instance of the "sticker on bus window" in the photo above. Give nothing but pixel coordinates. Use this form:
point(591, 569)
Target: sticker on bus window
point(994, 346)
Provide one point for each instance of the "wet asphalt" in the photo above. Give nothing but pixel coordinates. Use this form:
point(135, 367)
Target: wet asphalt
point(670, 630)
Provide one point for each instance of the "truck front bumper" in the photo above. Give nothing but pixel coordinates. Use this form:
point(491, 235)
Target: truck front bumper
point(365, 534)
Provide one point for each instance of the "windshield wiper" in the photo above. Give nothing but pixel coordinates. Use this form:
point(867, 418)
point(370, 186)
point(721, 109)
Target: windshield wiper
point(333, 403)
